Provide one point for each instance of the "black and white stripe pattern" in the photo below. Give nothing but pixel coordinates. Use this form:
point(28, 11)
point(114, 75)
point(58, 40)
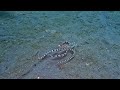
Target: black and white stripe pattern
point(59, 53)
point(52, 51)
point(67, 60)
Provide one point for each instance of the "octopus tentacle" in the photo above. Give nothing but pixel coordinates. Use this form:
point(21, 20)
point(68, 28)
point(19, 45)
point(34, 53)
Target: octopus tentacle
point(48, 54)
point(67, 60)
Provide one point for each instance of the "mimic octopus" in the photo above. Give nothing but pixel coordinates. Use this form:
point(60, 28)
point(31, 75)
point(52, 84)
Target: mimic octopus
point(61, 52)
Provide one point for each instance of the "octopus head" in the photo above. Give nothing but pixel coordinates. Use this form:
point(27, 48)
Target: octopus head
point(64, 44)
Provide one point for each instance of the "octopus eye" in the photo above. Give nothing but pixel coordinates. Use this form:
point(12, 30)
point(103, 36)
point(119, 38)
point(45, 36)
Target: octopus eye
point(66, 42)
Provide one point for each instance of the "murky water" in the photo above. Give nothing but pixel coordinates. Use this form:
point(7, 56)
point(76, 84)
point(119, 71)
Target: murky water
point(24, 33)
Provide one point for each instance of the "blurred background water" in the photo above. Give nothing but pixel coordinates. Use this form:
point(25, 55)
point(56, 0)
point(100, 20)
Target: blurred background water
point(24, 33)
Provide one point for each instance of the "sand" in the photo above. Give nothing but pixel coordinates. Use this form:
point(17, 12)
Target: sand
point(24, 33)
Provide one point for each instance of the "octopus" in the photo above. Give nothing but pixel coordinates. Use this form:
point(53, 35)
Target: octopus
point(62, 51)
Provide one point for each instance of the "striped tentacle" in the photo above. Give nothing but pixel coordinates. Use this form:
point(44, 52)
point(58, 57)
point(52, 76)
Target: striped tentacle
point(48, 54)
point(67, 60)
point(60, 55)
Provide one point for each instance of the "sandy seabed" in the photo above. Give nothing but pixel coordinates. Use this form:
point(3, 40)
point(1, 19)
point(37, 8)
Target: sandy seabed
point(24, 33)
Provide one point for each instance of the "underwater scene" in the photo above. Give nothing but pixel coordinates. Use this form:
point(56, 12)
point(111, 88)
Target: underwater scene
point(59, 45)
